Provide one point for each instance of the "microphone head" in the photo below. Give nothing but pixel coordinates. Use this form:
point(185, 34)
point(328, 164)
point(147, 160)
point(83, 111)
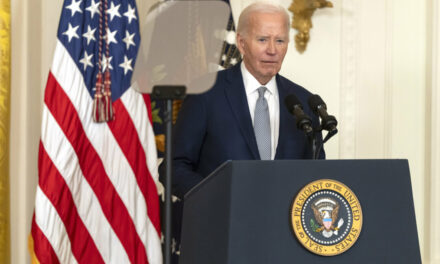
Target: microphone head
point(315, 101)
point(303, 121)
point(291, 101)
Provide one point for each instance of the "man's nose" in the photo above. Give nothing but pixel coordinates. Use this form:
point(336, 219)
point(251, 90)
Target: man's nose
point(271, 48)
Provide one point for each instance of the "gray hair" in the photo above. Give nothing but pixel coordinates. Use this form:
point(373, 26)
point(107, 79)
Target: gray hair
point(260, 7)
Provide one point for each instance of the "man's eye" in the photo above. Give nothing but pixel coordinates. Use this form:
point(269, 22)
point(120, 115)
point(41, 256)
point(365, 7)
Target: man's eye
point(261, 39)
point(280, 40)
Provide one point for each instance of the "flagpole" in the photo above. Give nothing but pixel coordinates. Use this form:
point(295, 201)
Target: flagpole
point(168, 93)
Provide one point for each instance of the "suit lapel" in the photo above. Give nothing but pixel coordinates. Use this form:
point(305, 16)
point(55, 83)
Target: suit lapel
point(236, 95)
point(282, 93)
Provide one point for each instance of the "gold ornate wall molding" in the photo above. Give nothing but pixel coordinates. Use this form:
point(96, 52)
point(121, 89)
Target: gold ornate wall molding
point(4, 128)
point(302, 19)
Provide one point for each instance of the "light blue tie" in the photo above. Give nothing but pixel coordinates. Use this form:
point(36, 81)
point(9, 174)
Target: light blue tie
point(262, 125)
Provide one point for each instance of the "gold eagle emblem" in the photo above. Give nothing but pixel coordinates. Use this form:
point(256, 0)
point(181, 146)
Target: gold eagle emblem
point(326, 212)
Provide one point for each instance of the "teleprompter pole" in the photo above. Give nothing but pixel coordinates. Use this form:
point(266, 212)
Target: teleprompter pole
point(168, 93)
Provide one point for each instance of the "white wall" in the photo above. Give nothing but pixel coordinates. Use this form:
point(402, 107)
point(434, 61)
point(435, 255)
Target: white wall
point(433, 138)
point(375, 63)
point(26, 101)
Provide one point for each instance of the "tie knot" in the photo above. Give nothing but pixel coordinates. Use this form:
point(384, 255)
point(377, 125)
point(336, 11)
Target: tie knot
point(261, 91)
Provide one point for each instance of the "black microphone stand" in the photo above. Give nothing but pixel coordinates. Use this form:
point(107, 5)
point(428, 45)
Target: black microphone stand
point(314, 141)
point(168, 93)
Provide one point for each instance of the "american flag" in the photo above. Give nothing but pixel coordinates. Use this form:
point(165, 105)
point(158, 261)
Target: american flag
point(96, 200)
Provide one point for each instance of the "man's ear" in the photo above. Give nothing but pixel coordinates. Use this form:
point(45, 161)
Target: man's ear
point(240, 43)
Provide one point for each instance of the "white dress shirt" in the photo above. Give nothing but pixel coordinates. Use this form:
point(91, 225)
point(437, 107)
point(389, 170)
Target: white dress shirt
point(251, 85)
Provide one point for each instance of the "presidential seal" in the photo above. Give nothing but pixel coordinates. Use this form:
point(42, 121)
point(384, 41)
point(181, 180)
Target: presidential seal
point(326, 217)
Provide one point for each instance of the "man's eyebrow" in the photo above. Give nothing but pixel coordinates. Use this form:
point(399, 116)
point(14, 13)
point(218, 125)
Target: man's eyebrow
point(266, 36)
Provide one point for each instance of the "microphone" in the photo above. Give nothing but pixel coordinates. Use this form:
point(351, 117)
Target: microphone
point(328, 122)
point(303, 121)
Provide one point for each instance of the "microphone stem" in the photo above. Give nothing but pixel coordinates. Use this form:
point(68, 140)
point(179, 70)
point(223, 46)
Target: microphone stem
point(313, 143)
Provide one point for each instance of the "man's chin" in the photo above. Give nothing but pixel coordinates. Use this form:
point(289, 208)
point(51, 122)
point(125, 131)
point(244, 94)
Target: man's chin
point(270, 72)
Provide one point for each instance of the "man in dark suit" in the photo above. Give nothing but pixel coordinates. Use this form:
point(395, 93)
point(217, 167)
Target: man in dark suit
point(243, 116)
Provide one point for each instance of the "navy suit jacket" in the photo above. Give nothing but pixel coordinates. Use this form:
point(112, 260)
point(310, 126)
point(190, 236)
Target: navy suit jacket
point(216, 126)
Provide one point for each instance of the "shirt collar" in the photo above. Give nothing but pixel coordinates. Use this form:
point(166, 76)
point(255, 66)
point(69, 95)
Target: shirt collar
point(251, 84)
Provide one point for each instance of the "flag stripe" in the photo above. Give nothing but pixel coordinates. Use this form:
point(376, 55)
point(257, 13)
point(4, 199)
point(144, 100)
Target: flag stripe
point(56, 190)
point(61, 153)
point(141, 105)
point(147, 101)
point(149, 145)
point(51, 225)
point(137, 109)
point(43, 249)
point(113, 207)
point(135, 154)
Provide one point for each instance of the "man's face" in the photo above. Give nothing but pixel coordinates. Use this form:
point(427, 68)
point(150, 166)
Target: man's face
point(265, 45)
